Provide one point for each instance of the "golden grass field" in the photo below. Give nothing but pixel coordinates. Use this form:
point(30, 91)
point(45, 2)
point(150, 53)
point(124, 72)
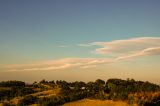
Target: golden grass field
point(49, 92)
point(89, 102)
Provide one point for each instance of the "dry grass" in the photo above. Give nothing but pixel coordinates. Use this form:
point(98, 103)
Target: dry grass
point(48, 93)
point(15, 100)
point(144, 96)
point(34, 105)
point(5, 88)
point(88, 102)
point(51, 92)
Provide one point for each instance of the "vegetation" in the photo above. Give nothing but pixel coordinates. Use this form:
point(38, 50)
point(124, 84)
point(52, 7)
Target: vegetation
point(56, 93)
point(96, 102)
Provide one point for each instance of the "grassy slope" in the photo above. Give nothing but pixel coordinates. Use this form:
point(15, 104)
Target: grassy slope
point(89, 102)
point(49, 92)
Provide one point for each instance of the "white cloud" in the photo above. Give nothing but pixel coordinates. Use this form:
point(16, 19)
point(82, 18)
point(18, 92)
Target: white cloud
point(57, 64)
point(91, 44)
point(151, 51)
point(145, 52)
point(119, 49)
point(85, 45)
point(127, 46)
point(63, 46)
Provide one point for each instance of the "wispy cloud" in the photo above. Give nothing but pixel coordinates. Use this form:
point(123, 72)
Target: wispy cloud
point(63, 46)
point(127, 46)
point(146, 52)
point(120, 49)
point(57, 64)
point(88, 44)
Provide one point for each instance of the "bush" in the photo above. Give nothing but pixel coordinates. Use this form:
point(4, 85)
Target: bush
point(27, 100)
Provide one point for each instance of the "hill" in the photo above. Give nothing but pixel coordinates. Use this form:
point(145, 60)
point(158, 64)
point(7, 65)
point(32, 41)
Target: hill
point(95, 102)
point(99, 92)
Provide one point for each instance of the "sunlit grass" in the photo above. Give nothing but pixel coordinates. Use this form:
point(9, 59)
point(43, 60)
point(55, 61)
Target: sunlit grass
point(89, 102)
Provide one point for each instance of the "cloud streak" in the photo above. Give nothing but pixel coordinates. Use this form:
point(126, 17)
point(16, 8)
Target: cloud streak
point(63, 46)
point(127, 46)
point(120, 49)
point(58, 64)
point(145, 52)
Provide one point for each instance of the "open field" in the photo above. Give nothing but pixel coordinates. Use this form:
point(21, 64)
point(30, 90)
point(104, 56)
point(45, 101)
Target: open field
point(89, 102)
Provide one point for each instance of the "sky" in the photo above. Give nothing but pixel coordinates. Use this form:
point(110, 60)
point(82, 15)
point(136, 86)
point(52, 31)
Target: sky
point(79, 40)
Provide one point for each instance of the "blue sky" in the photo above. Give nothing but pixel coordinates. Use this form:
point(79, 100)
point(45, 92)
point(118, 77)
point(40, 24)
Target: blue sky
point(35, 30)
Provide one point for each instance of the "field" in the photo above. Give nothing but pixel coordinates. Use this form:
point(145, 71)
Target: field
point(89, 102)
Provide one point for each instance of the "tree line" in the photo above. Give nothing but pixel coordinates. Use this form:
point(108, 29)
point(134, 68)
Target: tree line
point(112, 89)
